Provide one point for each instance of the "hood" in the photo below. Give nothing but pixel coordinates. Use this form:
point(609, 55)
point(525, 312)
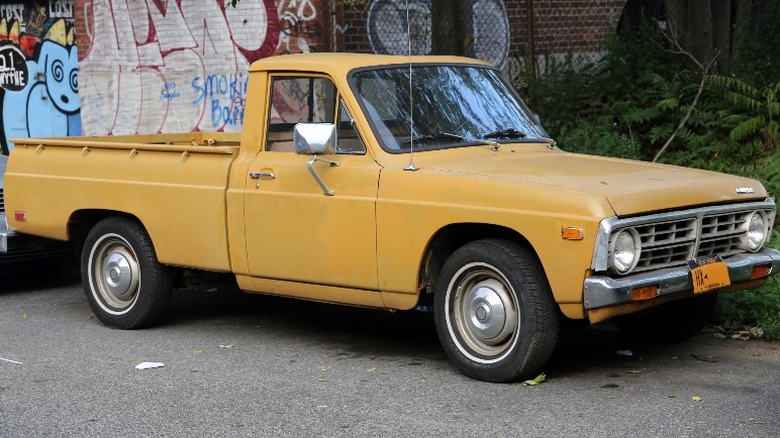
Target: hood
point(630, 187)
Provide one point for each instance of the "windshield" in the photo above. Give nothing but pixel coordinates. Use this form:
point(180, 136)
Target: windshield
point(453, 106)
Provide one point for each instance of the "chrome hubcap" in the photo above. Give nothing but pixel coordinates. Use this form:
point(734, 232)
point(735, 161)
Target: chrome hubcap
point(118, 276)
point(115, 273)
point(485, 311)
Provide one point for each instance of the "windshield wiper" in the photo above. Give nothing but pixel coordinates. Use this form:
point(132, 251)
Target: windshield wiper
point(449, 136)
point(505, 133)
point(438, 136)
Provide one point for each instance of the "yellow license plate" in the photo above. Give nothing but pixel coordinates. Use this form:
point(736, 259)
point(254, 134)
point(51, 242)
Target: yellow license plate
point(708, 273)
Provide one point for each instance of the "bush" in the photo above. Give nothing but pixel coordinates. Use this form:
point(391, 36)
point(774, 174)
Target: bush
point(630, 104)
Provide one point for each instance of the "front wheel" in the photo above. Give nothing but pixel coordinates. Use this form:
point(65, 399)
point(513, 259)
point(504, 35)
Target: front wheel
point(494, 311)
point(126, 286)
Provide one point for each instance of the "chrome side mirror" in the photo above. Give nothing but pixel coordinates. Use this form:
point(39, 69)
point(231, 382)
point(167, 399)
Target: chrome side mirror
point(314, 138)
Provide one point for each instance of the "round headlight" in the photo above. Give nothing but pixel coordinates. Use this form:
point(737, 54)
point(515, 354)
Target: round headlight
point(625, 250)
point(756, 233)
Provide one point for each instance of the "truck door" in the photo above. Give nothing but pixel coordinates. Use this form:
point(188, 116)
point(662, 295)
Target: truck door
point(294, 231)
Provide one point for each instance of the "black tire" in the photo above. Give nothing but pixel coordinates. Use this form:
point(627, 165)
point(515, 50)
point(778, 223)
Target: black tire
point(670, 322)
point(494, 311)
point(126, 286)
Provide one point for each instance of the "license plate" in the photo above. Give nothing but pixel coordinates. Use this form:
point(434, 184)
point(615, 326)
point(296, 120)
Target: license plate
point(708, 273)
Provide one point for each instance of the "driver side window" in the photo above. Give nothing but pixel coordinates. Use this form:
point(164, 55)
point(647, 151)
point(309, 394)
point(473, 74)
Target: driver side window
point(295, 100)
point(308, 100)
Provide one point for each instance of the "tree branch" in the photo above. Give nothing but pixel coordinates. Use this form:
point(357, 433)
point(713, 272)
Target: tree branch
point(705, 68)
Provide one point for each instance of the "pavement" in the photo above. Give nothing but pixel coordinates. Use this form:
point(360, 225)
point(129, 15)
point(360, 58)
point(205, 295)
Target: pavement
point(237, 364)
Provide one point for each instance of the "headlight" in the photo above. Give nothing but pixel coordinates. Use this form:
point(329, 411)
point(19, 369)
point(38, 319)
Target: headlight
point(625, 250)
point(756, 232)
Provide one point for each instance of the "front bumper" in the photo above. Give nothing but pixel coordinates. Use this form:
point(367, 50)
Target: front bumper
point(603, 291)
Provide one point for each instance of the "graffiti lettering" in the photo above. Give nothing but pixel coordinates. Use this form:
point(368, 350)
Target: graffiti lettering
point(13, 69)
point(231, 86)
point(138, 51)
point(61, 8)
point(227, 115)
point(13, 11)
point(169, 91)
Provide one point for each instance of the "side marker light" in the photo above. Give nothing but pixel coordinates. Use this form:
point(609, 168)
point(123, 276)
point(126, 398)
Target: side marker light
point(570, 233)
point(644, 293)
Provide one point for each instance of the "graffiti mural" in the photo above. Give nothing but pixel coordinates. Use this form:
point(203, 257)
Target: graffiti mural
point(389, 32)
point(178, 66)
point(39, 72)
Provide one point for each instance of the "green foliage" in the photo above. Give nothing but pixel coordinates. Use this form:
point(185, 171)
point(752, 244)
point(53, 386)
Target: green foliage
point(757, 308)
point(598, 139)
point(632, 102)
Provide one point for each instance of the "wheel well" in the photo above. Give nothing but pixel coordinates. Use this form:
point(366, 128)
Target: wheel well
point(83, 220)
point(449, 239)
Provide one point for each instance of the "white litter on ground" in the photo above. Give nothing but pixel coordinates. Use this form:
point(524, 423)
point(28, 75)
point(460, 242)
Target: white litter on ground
point(149, 365)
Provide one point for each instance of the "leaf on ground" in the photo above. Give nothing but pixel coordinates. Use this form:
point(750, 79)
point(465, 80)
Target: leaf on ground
point(705, 358)
point(535, 381)
point(696, 398)
point(25, 316)
point(198, 351)
point(226, 346)
point(633, 371)
point(372, 370)
point(672, 395)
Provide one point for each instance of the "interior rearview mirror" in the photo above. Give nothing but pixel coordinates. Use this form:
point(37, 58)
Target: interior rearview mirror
point(314, 138)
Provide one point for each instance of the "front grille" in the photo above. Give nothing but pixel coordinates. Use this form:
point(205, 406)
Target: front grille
point(2, 202)
point(666, 243)
point(676, 238)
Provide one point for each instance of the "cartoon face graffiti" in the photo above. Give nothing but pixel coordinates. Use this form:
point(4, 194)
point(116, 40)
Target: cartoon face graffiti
point(49, 104)
point(60, 66)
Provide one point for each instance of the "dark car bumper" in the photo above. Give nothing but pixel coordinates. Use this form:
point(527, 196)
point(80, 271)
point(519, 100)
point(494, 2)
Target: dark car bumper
point(18, 248)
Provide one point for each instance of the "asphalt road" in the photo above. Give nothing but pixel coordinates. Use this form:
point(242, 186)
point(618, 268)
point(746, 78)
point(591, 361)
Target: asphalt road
point(247, 365)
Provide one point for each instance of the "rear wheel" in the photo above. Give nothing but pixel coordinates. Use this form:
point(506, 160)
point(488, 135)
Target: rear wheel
point(494, 311)
point(126, 286)
point(670, 322)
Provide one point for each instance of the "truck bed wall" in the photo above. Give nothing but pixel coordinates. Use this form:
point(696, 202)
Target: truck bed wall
point(177, 190)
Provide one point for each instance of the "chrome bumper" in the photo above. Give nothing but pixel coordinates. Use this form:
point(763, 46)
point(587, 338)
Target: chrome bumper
point(5, 236)
point(5, 233)
point(604, 291)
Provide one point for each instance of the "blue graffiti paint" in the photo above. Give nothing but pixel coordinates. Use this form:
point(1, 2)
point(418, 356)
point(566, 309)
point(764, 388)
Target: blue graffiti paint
point(226, 96)
point(49, 103)
point(169, 91)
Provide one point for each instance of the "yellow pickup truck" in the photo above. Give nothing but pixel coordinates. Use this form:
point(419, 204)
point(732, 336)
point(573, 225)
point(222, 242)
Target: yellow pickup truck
point(394, 182)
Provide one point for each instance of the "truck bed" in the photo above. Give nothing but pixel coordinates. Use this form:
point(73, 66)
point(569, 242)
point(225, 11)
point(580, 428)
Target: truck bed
point(173, 183)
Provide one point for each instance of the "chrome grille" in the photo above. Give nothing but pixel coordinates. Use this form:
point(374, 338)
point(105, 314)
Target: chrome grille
point(671, 239)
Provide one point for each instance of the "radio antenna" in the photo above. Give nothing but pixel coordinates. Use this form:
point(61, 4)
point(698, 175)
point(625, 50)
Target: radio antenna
point(410, 167)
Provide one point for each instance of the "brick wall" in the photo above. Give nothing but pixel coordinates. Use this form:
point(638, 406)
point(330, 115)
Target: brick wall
point(500, 28)
point(153, 66)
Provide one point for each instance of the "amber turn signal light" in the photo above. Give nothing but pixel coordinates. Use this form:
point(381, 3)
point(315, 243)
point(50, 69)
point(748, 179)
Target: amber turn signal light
point(760, 272)
point(570, 233)
point(644, 293)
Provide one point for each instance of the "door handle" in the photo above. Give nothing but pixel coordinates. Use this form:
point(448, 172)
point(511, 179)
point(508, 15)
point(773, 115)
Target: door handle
point(262, 175)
